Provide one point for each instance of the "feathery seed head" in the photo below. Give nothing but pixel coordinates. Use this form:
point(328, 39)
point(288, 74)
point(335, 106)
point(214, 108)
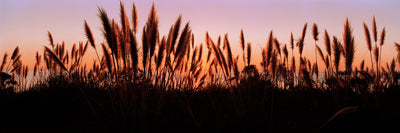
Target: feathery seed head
point(383, 33)
point(374, 30)
point(327, 43)
point(315, 31)
point(367, 36)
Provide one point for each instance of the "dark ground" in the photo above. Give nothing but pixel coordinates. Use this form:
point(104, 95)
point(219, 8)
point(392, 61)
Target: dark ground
point(67, 110)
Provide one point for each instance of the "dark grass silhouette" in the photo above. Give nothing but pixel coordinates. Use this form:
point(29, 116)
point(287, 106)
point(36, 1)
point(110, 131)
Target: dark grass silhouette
point(163, 84)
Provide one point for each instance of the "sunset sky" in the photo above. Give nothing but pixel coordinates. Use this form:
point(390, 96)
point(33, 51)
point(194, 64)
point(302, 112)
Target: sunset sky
point(25, 23)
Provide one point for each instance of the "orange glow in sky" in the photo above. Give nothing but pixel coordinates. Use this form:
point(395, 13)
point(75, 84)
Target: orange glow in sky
point(25, 23)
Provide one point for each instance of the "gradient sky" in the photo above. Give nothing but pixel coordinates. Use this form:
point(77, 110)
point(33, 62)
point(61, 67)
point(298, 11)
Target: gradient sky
point(25, 23)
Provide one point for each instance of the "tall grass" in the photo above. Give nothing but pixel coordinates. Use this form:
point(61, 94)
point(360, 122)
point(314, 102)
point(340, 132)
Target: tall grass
point(173, 68)
point(177, 53)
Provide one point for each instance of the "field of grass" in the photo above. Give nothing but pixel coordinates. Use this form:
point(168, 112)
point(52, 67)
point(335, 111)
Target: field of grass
point(166, 83)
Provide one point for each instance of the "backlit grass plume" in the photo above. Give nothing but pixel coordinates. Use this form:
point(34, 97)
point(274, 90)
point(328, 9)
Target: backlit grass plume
point(107, 28)
point(248, 53)
point(51, 39)
point(269, 48)
point(381, 42)
point(152, 30)
point(376, 53)
point(134, 18)
point(285, 52)
point(15, 53)
point(51, 55)
point(181, 48)
point(242, 42)
point(4, 61)
point(321, 54)
point(349, 47)
point(227, 48)
point(368, 40)
point(315, 34)
point(134, 51)
point(89, 36)
point(107, 57)
point(374, 30)
point(277, 45)
point(397, 46)
point(337, 50)
point(327, 43)
point(300, 43)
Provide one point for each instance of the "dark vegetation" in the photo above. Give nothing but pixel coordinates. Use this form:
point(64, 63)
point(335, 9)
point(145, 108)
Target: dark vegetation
point(170, 84)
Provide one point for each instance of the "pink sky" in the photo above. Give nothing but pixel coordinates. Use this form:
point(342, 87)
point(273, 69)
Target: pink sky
point(25, 23)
